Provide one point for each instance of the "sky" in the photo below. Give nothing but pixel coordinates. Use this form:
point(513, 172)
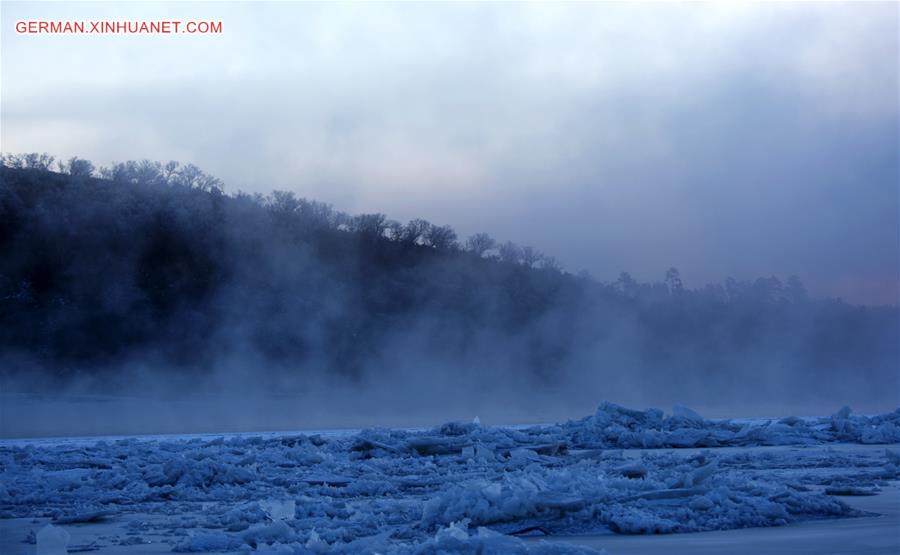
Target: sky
point(736, 139)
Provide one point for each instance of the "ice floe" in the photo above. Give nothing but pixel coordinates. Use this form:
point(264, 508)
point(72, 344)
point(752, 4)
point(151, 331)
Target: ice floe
point(455, 488)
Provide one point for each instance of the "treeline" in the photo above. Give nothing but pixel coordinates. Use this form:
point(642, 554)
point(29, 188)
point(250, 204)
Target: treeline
point(152, 264)
point(299, 214)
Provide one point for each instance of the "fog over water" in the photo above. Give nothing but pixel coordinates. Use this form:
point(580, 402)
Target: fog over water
point(727, 141)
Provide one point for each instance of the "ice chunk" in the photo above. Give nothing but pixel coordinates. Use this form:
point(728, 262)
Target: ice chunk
point(374, 491)
point(317, 544)
point(843, 413)
point(52, 540)
point(202, 542)
point(269, 533)
point(455, 539)
point(687, 414)
point(633, 470)
point(701, 503)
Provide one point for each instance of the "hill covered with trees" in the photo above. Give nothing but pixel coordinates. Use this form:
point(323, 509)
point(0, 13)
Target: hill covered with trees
point(154, 266)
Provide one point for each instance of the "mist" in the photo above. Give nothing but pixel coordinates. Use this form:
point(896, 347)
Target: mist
point(449, 277)
point(147, 300)
point(677, 204)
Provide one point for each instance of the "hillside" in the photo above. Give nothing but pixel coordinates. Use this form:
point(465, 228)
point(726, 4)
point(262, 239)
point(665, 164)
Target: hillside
point(154, 267)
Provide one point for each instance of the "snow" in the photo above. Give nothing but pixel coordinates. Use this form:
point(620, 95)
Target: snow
point(455, 488)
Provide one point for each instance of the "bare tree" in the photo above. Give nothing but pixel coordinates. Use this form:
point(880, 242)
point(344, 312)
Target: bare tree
point(414, 232)
point(317, 214)
point(510, 252)
point(370, 226)
point(441, 237)
point(144, 172)
point(480, 243)
point(170, 171)
point(342, 220)
point(628, 285)
point(282, 202)
point(77, 167)
point(529, 256)
point(36, 161)
point(673, 281)
point(194, 178)
point(394, 230)
point(30, 161)
point(550, 263)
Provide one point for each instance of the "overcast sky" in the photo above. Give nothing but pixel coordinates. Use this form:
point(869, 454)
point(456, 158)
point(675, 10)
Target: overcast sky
point(726, 140)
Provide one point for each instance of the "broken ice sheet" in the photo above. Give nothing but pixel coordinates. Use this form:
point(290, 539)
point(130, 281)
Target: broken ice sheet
point(466, 485)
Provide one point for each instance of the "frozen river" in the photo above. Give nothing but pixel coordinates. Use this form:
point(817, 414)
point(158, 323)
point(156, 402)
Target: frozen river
point(879, 534)
point(620, 480)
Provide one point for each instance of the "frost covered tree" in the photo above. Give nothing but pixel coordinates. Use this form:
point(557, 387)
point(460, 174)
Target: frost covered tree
point(413, 233)
point(441, 237)
point(480, 243)
point(529, 256)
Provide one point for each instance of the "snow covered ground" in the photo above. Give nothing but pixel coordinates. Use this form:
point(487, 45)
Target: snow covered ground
point(622, 480)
